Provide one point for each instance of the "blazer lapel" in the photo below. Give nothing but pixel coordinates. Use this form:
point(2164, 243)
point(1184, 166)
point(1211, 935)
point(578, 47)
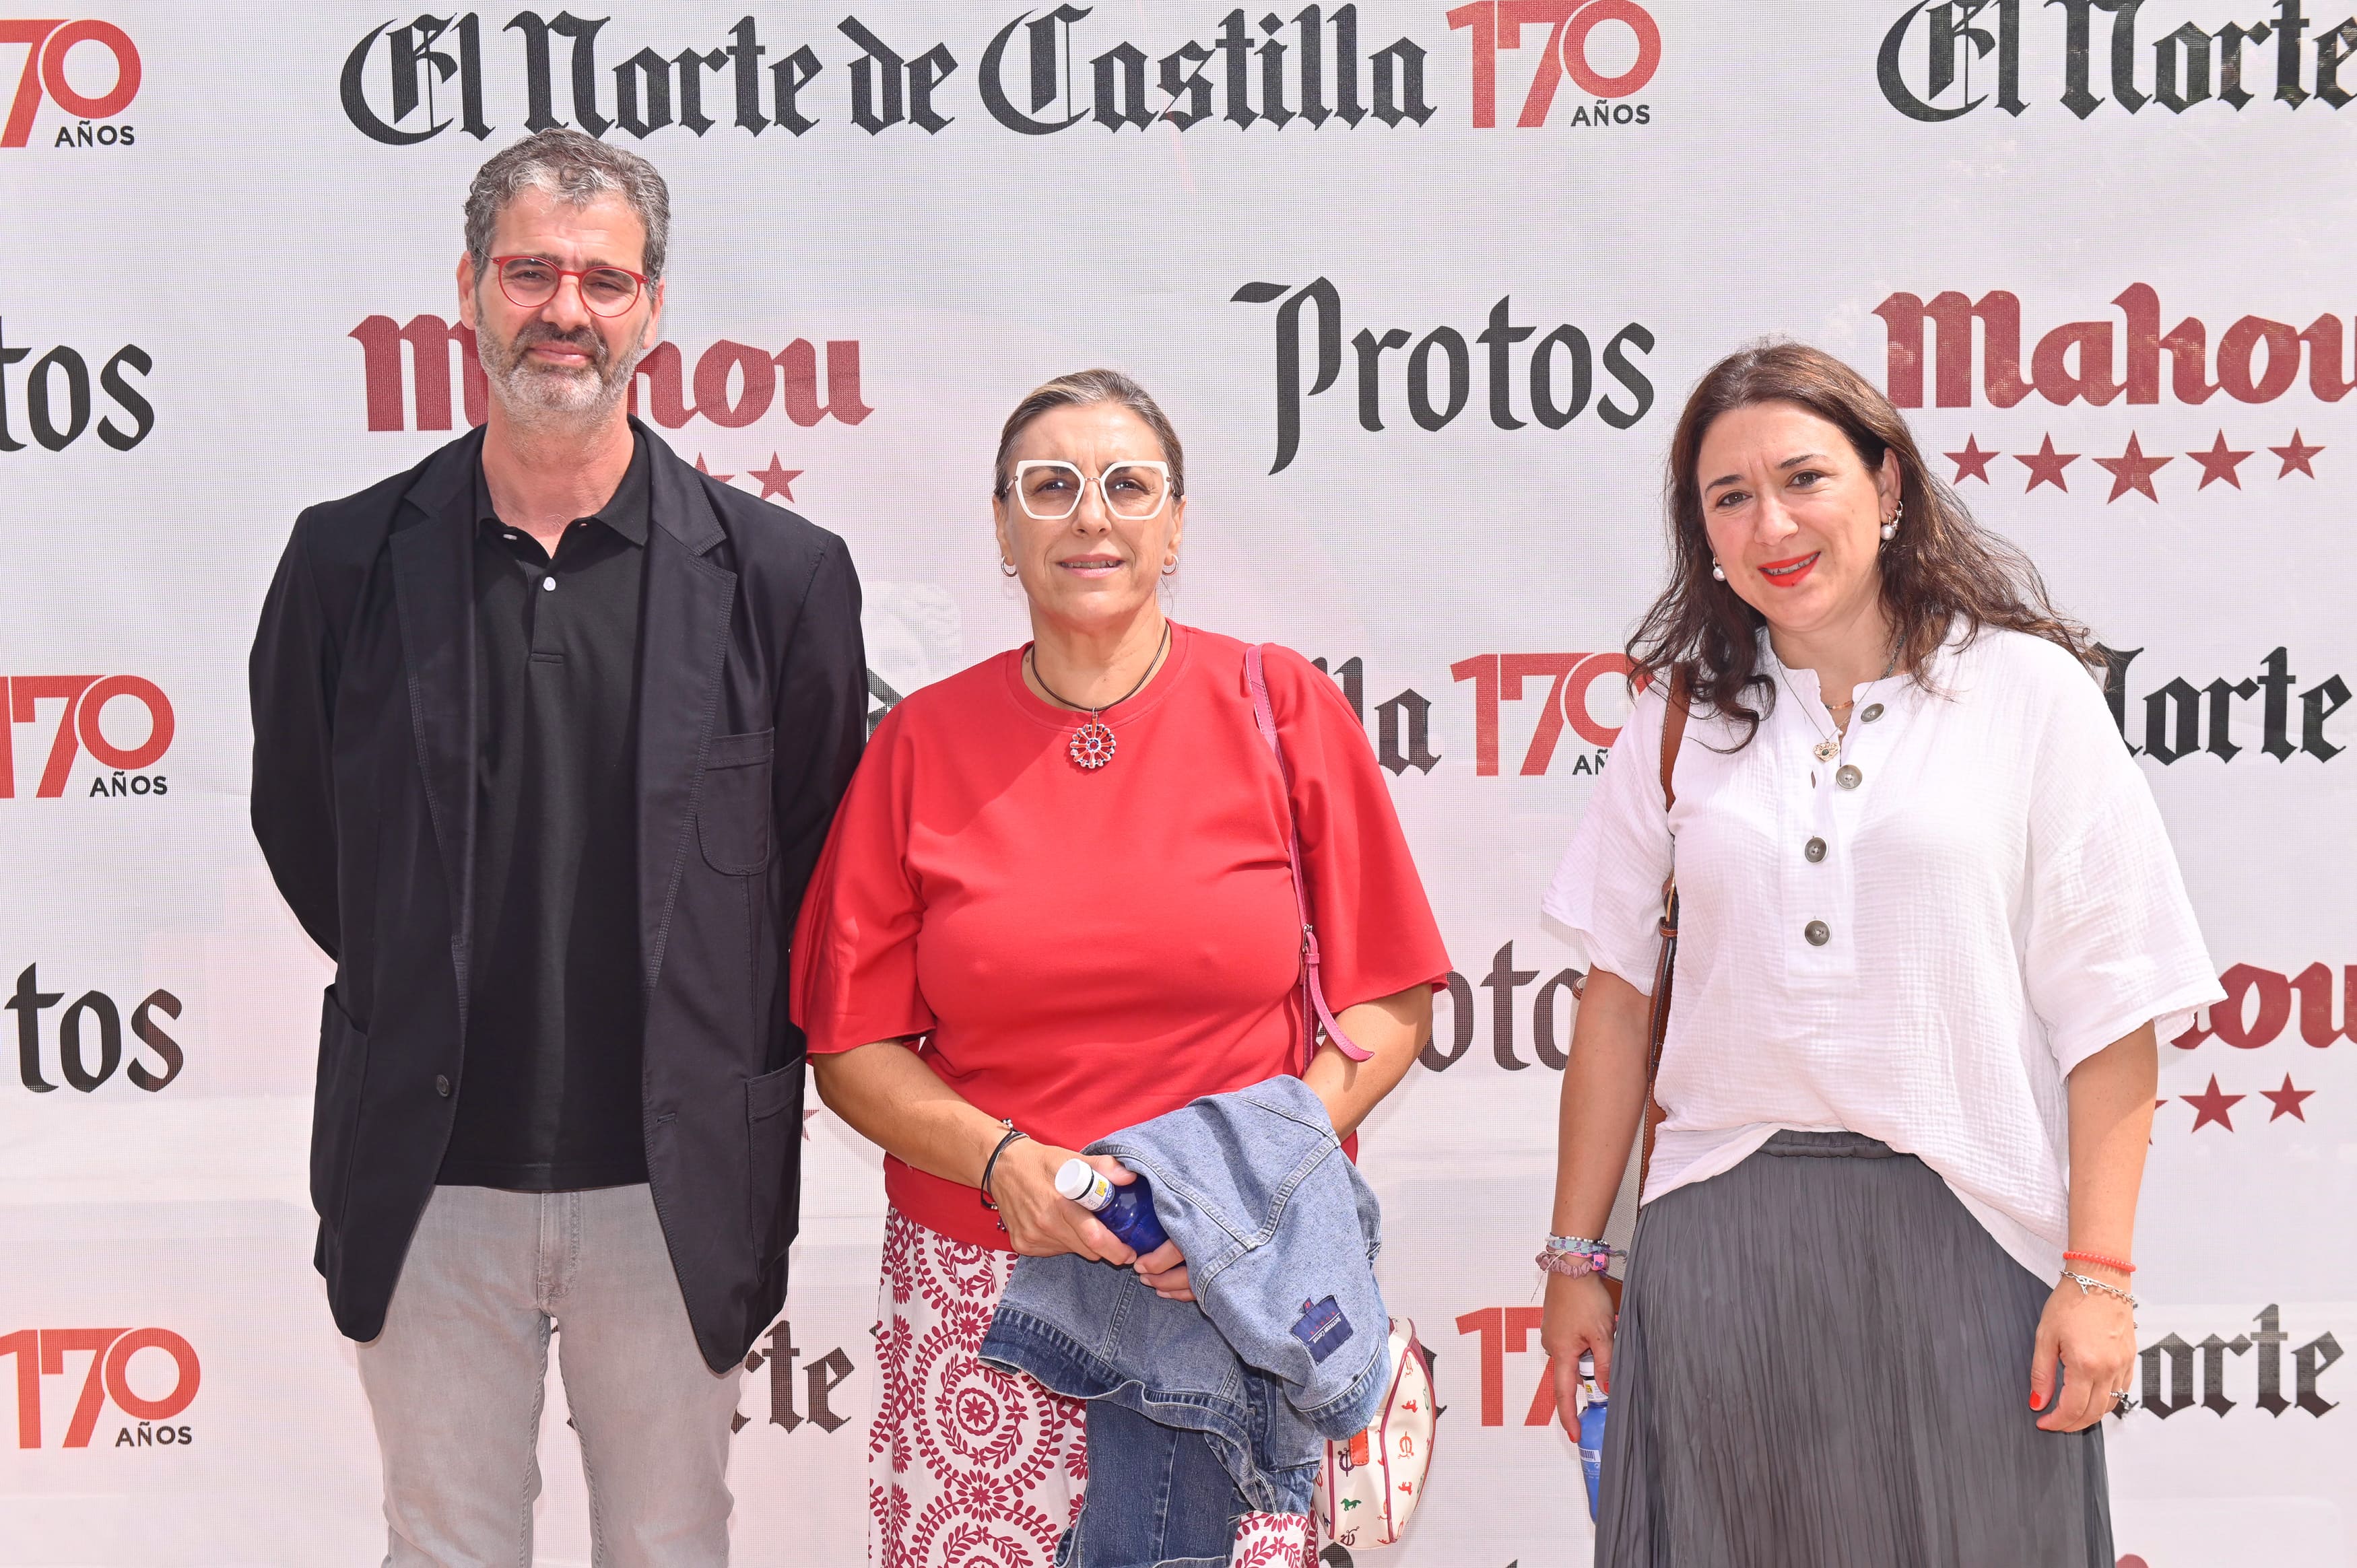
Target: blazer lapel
point(433, 554)
point(683, 645)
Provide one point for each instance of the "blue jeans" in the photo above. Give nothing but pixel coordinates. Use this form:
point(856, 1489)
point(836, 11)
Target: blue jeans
point(1176, 1503)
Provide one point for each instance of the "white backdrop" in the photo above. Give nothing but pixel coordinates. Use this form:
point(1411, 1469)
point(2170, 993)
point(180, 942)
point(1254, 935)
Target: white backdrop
point(205, 272)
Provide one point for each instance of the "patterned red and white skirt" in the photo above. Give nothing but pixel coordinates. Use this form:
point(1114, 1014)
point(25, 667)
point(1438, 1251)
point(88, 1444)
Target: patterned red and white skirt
point(969, 1467)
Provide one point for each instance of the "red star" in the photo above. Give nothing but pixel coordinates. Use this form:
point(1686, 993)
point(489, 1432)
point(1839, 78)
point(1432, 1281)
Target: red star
point(2132, 471)
point(1972, 463)
point(775, 480)
point(2287, 1100)
point(808, 1114)
point(2045, 465)
point(2211, 1106)
point(2295, 458)
point(707, 473)
point(2218, 463)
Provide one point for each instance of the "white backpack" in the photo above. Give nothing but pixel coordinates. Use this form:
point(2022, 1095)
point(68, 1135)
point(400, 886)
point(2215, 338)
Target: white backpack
point(1373, 1482)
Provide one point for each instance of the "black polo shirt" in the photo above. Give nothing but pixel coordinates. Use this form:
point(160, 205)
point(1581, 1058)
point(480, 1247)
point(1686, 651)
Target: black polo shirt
point(549, 1099)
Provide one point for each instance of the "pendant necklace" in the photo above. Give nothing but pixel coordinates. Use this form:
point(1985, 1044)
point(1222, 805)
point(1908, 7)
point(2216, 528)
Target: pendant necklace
point(1830, 747)
point(1091, 744)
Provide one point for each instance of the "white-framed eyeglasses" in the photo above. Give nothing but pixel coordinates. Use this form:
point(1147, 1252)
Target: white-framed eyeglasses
point(1049, 489)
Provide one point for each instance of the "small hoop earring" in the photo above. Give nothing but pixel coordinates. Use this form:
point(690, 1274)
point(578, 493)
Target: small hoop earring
point(1718, 571)
point(1169, 564)
point(1007, 568)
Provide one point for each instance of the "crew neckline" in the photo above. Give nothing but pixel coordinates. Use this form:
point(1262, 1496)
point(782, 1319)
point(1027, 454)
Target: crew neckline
point(1043, 712)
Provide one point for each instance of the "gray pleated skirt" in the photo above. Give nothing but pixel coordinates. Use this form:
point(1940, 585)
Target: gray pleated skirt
point(1823, 1361)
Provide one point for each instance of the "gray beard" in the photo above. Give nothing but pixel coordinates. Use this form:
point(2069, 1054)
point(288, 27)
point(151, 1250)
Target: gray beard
point(535, 393)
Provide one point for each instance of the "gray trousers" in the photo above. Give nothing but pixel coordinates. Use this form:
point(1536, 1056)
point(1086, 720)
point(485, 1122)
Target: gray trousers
point(456, 1383)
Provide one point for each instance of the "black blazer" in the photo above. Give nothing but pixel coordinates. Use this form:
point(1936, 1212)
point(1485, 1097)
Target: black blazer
point(752, 702)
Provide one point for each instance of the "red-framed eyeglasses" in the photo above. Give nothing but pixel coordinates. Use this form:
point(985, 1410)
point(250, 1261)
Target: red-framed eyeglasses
point(531, 282)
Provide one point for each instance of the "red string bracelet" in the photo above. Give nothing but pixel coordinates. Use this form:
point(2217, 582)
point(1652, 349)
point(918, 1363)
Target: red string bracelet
point(2099, 1257)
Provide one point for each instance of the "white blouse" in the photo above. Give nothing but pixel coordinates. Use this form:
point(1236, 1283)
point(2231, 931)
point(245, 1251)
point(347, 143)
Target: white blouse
point(1919, 950)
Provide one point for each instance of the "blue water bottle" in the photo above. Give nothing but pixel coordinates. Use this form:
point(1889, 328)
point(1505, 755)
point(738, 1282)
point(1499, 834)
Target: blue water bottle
point(1127, 1211)
point(1592, 1411)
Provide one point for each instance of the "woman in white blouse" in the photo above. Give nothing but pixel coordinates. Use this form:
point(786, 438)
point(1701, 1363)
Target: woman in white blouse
point(1879, 1294)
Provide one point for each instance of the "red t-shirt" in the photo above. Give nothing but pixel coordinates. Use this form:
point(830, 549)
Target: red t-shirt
point(1085, 950)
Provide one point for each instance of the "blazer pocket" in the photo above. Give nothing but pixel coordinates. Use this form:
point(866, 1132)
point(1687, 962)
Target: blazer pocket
point(773, 1130)
point(335, 1106)
point(732, 815)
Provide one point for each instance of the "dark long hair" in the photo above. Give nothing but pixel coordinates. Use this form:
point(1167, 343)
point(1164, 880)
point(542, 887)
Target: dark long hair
point(1942, 568)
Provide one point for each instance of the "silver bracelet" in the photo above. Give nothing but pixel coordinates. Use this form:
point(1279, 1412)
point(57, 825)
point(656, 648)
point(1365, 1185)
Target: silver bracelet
point(2086, 1285)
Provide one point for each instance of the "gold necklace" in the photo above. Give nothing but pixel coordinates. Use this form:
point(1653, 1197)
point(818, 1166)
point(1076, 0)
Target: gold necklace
point(1830, 747)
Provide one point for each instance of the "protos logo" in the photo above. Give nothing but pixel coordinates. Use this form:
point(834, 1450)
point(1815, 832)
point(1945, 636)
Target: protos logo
point(58, 382)
point(81, 726)
point(1498, 25)
point(1558, 371)
point(41, 1353)
point(48, 44)
point(29, 1002)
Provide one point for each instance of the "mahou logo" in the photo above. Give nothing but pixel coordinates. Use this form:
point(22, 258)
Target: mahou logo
point(1571, 51)
point(1038, 74)
point(732, 385)
point(2257, 360)
point(56, 70)
point(2261, 1005)
point(1971, 52)
point(117, 1375)
point(81, 725)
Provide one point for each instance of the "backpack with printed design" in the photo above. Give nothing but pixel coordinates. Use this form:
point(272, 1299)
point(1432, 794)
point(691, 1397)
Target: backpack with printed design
point(1372, 1483)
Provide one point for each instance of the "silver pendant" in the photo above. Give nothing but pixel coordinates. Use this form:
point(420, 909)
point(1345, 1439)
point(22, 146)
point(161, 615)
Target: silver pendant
point(1827, 750)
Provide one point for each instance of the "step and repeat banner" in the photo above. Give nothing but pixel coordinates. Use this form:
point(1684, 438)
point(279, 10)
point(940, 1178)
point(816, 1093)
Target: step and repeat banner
point(1423, 286)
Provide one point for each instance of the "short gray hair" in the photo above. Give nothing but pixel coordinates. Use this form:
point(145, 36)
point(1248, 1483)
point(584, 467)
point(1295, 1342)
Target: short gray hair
point(1087, 387)
point(576, 169)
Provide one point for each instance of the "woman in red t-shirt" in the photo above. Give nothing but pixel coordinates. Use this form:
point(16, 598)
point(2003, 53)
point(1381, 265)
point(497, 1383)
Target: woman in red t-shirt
point(1056, 902)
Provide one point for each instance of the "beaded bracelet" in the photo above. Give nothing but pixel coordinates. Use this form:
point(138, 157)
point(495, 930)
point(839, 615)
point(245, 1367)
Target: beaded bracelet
point(1576, 1257)
point(2086, 1285)
point(2125, 1268)
point(1576, 1265)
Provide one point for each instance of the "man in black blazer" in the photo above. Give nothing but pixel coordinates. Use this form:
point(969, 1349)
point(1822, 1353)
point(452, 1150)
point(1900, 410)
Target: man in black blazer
point(548, 732)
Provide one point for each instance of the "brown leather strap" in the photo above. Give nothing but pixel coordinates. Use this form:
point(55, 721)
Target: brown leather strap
point(1657, 1020)
point(1673, 731)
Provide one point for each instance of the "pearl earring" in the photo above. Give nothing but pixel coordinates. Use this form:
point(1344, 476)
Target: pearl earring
point(1718, 571)
point(1890, 529)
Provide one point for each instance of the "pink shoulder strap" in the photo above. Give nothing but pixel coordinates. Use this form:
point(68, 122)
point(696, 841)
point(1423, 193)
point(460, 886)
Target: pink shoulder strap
point(1317, 1012)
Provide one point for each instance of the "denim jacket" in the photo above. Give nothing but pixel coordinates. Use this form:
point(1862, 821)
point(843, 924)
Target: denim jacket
point(1207, 1409)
